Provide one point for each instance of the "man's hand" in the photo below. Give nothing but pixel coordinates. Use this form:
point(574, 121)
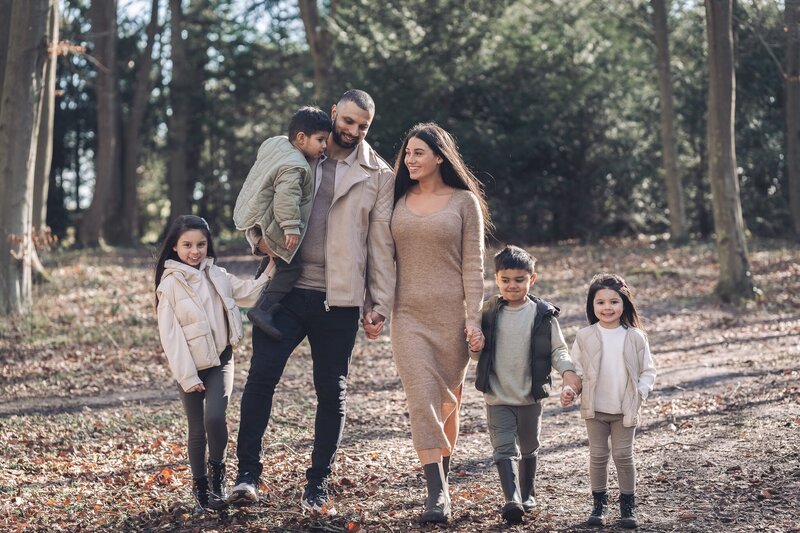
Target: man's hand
point(373, 324)
point(573, 380)
point(291, 241)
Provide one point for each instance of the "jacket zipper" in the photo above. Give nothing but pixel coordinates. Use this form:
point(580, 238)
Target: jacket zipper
point(325, 240)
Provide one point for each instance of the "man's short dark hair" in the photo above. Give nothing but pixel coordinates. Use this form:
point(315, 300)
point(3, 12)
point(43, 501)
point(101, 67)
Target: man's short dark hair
point(360, 98)
point(514, 257)
point(309, 120)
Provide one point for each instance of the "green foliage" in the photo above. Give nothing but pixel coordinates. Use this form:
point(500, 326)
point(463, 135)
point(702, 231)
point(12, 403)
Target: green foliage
point(555, 104)
point(760, 118)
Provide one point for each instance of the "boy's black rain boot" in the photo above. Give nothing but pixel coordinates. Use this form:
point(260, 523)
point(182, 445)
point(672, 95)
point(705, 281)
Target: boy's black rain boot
point(200, 492)
point(600, 509)
point(527, 482)
point(512, 510)
point(218, 492)
point(437, 504)
point(263, 318)
point(627, 509)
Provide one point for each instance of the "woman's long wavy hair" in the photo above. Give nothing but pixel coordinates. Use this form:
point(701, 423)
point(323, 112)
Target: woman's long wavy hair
point(455, 172)
point(179, 226)
point(630, 317)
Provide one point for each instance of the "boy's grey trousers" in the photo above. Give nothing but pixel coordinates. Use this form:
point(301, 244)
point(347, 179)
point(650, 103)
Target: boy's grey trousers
point(514, 430)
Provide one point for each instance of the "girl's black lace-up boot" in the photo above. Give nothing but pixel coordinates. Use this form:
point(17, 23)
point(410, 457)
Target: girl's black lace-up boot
point(627, 509)
point(218, 492)
point(600, 508)
point(200, 492)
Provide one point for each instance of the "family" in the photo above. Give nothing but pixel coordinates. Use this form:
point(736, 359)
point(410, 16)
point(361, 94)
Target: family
point(348, 240)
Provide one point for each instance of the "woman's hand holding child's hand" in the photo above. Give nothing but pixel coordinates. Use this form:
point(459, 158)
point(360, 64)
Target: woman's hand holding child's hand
point(475, 338)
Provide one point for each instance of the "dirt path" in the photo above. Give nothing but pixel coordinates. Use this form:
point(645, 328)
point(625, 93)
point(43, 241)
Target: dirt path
point(91, 436)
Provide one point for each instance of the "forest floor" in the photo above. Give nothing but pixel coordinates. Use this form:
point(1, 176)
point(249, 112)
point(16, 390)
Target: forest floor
point(92, 433)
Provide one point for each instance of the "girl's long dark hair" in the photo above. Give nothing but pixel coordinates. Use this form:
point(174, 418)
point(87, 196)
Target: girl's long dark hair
point(629, 318)
point(455, 172)
point(179, 226)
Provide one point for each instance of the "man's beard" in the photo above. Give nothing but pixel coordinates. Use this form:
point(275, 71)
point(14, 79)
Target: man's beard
point(337, 138)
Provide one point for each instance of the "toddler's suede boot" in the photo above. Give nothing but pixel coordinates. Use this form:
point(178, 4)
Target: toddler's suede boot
point(264, 319)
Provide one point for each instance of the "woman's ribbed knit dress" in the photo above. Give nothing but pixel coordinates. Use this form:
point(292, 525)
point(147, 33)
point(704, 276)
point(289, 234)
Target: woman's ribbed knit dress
point(439, 292)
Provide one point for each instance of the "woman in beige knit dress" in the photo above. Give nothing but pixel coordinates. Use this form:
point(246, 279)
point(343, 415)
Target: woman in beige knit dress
point(438, 227)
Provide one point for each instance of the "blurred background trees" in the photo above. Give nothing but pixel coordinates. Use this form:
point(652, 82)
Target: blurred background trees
point(583, 119)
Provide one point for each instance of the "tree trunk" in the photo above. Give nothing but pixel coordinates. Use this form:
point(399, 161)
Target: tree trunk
point(132, 145)
point(44, 151)
point(792, 20)
point(103, 14)
point(735, 282)
point(112, 230)
point(675, 202)
point(320, 43)
point(180, 87)
point(20, 107)
point(76, 154)
point(5, 28)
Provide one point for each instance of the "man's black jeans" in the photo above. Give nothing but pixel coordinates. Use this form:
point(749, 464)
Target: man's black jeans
point(331, 335)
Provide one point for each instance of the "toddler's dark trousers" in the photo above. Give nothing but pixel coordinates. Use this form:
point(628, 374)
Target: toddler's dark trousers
point(282, 282)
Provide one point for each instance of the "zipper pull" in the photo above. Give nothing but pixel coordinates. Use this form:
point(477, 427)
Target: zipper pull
point(325, 303)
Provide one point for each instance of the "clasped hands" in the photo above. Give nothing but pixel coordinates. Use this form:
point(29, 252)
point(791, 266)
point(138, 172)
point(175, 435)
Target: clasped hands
point(373, 323)
point(575, 384)
point(475, 338)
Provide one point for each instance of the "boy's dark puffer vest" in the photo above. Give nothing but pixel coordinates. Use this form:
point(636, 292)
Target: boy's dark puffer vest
point(540, 345)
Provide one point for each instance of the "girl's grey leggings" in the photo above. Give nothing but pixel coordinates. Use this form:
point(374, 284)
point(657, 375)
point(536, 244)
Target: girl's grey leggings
point(205, 412)
point(602, 429)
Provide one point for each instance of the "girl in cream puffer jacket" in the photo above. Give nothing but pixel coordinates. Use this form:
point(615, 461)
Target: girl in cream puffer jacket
point(613, 358)
point(199, 324)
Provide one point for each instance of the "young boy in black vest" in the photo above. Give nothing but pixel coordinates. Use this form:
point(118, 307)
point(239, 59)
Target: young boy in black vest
point(523, 341)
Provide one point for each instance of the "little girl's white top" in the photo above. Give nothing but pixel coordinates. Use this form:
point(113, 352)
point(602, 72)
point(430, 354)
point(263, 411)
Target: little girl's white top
point(612, 378)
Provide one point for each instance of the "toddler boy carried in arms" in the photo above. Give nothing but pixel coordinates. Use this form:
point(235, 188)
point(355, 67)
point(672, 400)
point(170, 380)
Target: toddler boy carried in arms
point(274, 205)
